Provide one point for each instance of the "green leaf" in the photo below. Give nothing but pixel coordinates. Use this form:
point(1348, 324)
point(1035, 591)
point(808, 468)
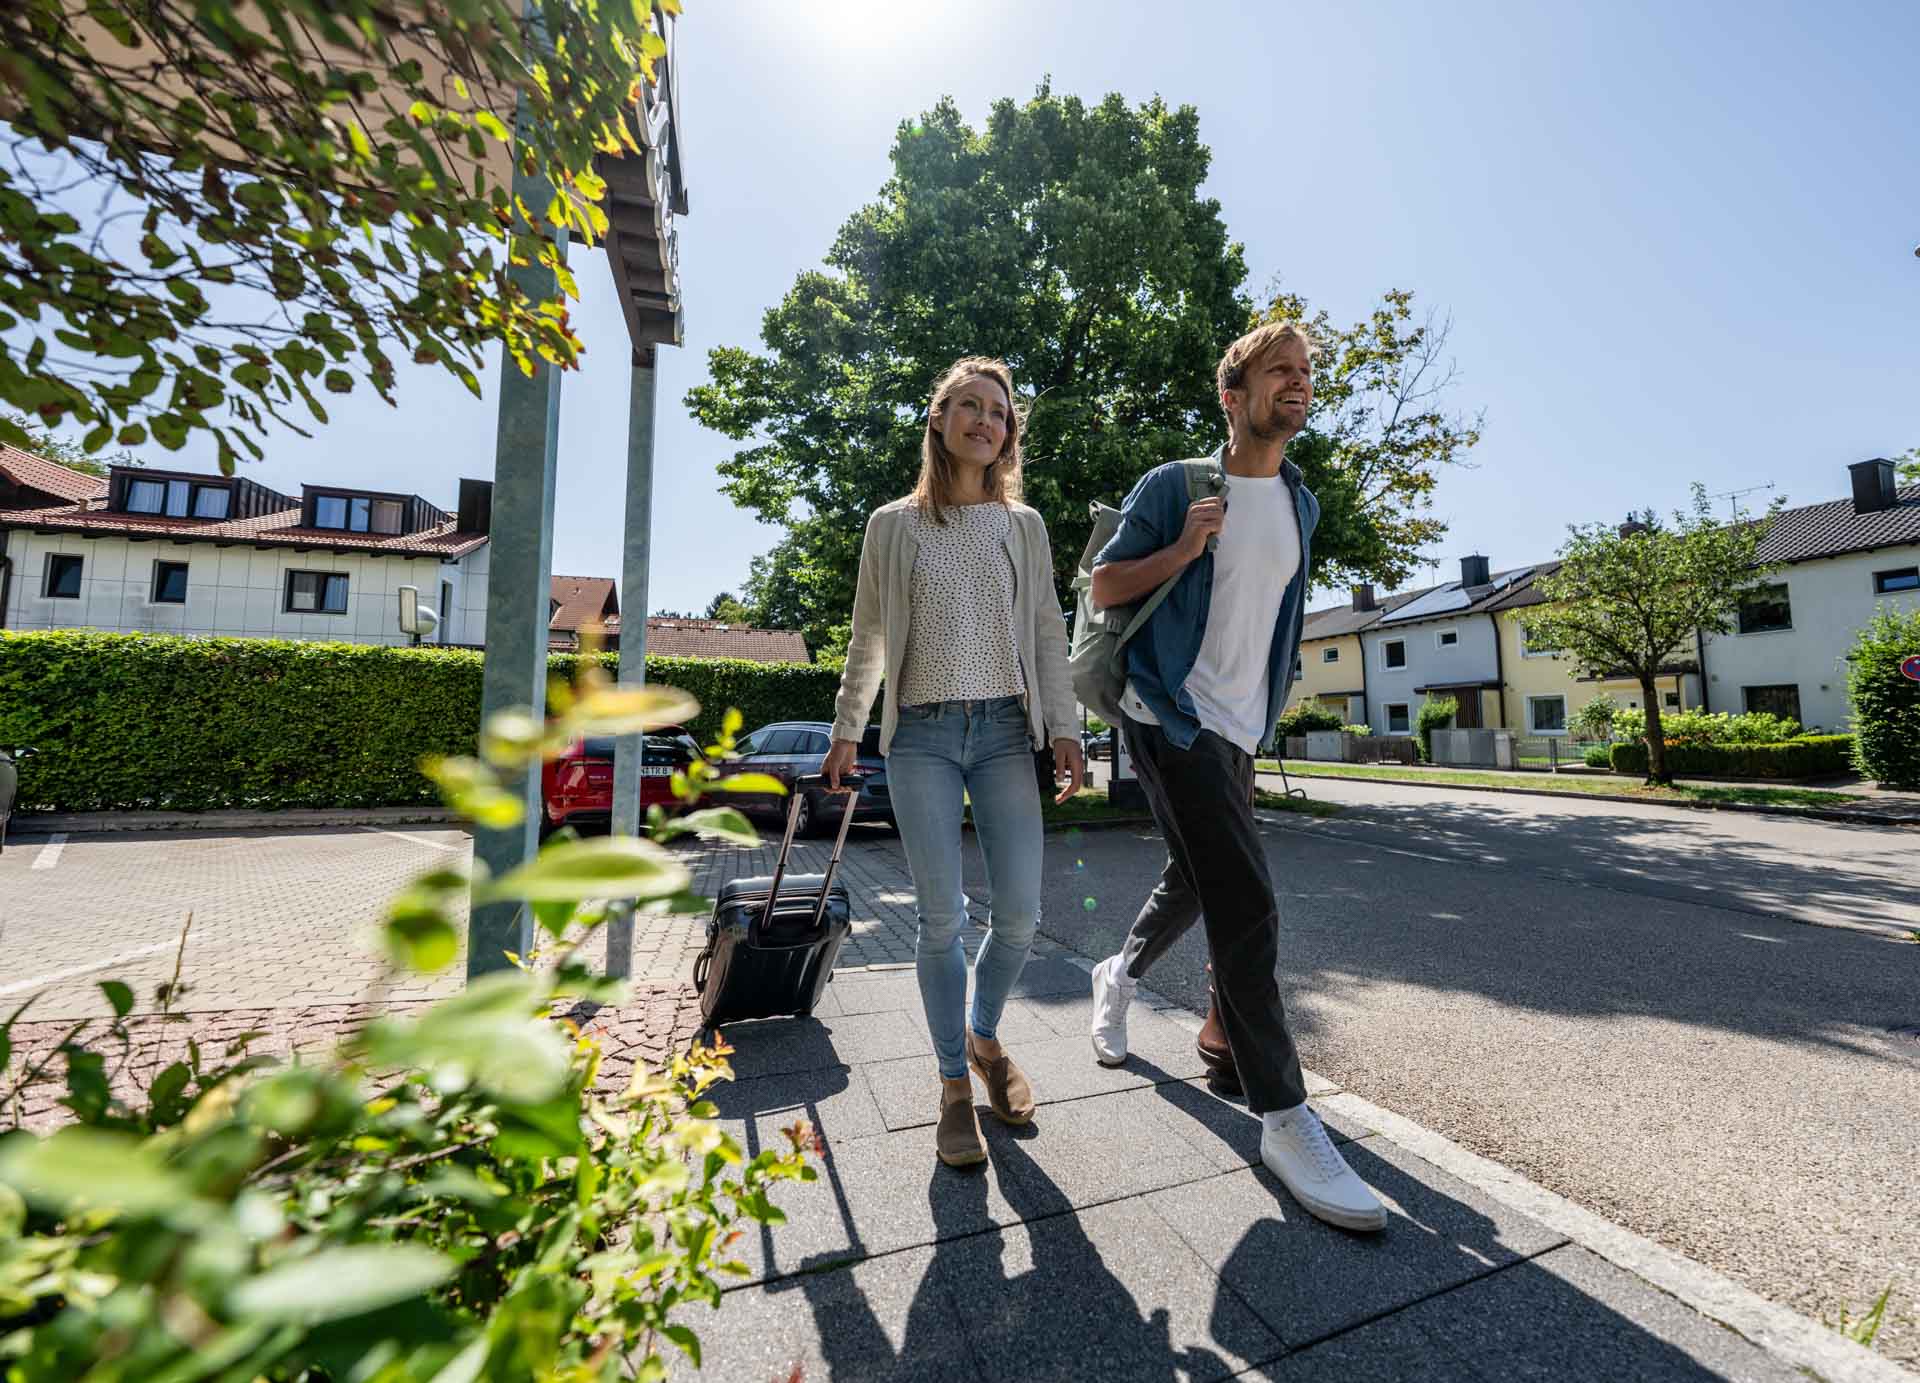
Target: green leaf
point(491, 123)
point(554, 917)
point(118, 994)
point(686, 1339)
point(750, 782)
point(423, 940)
point(338, 1282)
point(722, 823)
point(91, 1169)
point(605, 867)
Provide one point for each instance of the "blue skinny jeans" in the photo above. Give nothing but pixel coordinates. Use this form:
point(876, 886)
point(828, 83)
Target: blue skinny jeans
point(942, 754)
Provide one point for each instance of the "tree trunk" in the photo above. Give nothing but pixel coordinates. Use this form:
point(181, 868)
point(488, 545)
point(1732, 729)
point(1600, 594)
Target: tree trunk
point(1656, 737)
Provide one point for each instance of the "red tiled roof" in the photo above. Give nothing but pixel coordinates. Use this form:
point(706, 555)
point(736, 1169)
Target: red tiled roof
point(281, 529)
point(38, 473)
point(582, 600)
point(706, 638)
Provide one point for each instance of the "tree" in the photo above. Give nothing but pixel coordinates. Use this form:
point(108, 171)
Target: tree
point(1073, 241)
point(209, 212)
point(44, 441)
point(1625, 601)
point(727, 608)
point(1908, 466)
point(1884, 702)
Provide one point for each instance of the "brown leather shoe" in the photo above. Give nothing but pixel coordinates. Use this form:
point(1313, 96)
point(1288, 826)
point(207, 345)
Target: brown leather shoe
point(958, 1140)
point(1007, 1088)
point(1213, 1047)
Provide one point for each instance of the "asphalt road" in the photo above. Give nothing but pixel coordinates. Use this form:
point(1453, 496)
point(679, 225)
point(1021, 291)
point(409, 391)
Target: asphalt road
point(1681, 1020)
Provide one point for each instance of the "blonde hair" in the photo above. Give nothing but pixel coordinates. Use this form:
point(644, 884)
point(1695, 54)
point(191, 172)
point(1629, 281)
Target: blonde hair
point(936, 490)
point(1250, 349)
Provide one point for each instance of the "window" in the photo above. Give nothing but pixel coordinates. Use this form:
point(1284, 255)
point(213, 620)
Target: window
point(1547, 715)
point(1398, 722)
point(316, 593)
point(1533, 645)
point(1672, 702)
point(63, 577)
point(179, 498)
point(211, 501)
point(785, 742)
point(169, 583)
point(1299, 670)
point(357, 511)
point(330, 511)
point(813, 742)
point(1781, 700)
point(1899, 579)
point(146, 496)
point(386, 516)
point(1330, 655)
point(1765, 609)
point(1446, 638)
point(446, 612)
point(1394, 653)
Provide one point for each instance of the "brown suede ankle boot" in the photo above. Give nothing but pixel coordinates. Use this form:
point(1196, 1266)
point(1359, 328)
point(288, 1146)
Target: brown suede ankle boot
point(1213, 1047)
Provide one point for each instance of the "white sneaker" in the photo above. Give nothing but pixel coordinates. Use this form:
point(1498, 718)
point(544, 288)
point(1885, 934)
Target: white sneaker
point(1295, 1147)
point(1112, 992)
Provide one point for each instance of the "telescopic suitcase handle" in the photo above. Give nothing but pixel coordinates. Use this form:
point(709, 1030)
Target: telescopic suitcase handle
point(850, 785)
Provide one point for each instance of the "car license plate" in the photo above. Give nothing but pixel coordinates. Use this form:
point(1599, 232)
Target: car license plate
point(656, 771)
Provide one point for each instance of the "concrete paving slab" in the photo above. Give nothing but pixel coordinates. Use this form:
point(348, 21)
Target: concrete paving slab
point(1308, 1280)
point(834, 1099)
point(885, 1321)
point(1566, 1316)
point(1104, 1295)
point(777, 1046)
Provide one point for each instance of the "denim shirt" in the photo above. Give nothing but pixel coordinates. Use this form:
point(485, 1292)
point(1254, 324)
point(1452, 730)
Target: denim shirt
point(1160, 656)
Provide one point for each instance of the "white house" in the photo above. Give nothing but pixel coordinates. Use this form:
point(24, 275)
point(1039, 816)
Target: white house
point(1840, 561)
point(1438, 643)
point(178, 552)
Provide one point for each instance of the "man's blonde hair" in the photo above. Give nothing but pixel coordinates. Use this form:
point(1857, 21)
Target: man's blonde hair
point(935, 492)
point(1254, 347)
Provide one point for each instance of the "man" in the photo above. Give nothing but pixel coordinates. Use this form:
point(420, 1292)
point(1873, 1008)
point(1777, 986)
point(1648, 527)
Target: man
point(1206, 679)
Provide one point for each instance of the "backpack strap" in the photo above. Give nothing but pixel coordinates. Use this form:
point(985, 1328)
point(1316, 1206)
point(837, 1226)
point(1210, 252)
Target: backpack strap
point(1205, 479)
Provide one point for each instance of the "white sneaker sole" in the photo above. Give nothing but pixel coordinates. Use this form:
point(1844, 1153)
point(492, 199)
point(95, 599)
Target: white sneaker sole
point(1364, 1221)
point(1108, 1061)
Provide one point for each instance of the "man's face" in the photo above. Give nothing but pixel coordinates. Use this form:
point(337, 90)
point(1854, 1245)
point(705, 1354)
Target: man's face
point(1274, 397)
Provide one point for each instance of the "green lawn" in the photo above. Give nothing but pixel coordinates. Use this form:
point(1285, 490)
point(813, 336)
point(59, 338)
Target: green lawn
point(1607, 785)
point(1091, 805)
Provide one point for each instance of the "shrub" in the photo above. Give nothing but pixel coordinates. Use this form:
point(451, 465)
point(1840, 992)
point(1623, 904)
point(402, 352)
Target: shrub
point(1305, 718)
point(1356, 729)
point(1885, 704)
point(1811, 756)
point(1599, 756)
point(1707, 727)
point(154, 721)
point(1434, 715)
point(1595, 719)
point(448, 1195)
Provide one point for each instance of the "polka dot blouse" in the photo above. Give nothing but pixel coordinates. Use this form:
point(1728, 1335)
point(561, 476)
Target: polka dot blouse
point(960, 640)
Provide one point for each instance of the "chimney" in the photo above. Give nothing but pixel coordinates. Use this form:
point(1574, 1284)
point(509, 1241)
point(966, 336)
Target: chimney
point(1363, 598)
point(476, 507)
point(1632, 527)
point(1473, 571)
point(1873, 488)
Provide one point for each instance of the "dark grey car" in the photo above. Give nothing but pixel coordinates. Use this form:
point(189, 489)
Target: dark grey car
point(794, 749)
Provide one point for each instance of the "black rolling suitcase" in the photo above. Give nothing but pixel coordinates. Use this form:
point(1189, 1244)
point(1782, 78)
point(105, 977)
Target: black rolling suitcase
point(772, 942)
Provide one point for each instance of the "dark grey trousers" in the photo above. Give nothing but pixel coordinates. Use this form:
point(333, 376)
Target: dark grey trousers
point(1202, 799)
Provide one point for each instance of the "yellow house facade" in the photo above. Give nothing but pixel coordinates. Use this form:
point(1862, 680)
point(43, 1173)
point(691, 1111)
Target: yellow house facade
point(1543, 690)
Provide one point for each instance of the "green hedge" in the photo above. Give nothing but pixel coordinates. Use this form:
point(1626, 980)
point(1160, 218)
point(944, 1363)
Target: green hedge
point(151, 721)
point(1886, 705)
point(1810, 756)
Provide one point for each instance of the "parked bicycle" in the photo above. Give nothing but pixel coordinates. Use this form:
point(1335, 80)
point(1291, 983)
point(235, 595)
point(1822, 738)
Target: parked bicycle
point(9, 786)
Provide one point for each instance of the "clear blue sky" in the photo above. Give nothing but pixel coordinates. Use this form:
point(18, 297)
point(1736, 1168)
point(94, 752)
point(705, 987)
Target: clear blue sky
point(1676, 240)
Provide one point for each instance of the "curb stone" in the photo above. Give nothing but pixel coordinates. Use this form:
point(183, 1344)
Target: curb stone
point(103, 823)
point(1749, 808)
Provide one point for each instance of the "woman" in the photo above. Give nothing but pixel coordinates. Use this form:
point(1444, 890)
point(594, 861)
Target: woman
point(956, 610)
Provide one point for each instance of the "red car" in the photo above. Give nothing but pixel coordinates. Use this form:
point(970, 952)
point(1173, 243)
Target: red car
point(576, 789)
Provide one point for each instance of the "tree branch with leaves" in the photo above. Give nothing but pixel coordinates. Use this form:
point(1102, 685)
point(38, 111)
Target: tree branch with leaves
point(212, 215)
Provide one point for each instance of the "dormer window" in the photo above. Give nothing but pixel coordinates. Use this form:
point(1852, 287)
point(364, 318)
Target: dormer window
point(358, 513)
point(179, 499)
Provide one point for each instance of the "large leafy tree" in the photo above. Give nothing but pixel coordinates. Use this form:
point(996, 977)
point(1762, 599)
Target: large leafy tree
point(1626, 601)
point(1073, 241)
point(211, 214)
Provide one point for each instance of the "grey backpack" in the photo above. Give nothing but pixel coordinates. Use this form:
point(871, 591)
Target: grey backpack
point(1099, 657)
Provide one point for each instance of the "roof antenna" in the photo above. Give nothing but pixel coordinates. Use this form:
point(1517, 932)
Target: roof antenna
point(1732, 497)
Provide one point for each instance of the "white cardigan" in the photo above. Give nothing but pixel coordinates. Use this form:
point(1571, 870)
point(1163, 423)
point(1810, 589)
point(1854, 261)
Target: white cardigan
point(882, 610)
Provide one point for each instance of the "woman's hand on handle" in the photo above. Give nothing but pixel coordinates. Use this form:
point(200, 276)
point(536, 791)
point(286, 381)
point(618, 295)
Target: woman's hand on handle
point(839, 760)
point(1071, 764)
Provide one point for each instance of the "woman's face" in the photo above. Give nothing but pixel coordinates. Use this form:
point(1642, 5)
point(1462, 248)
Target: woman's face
point(974, 425)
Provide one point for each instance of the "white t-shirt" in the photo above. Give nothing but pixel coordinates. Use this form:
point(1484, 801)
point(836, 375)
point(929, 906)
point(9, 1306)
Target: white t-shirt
point(1259, 553)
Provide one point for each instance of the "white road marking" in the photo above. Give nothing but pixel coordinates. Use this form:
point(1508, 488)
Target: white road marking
point(49, 854)
point(417, 840)
point(38, 980)
point(1750, 936)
